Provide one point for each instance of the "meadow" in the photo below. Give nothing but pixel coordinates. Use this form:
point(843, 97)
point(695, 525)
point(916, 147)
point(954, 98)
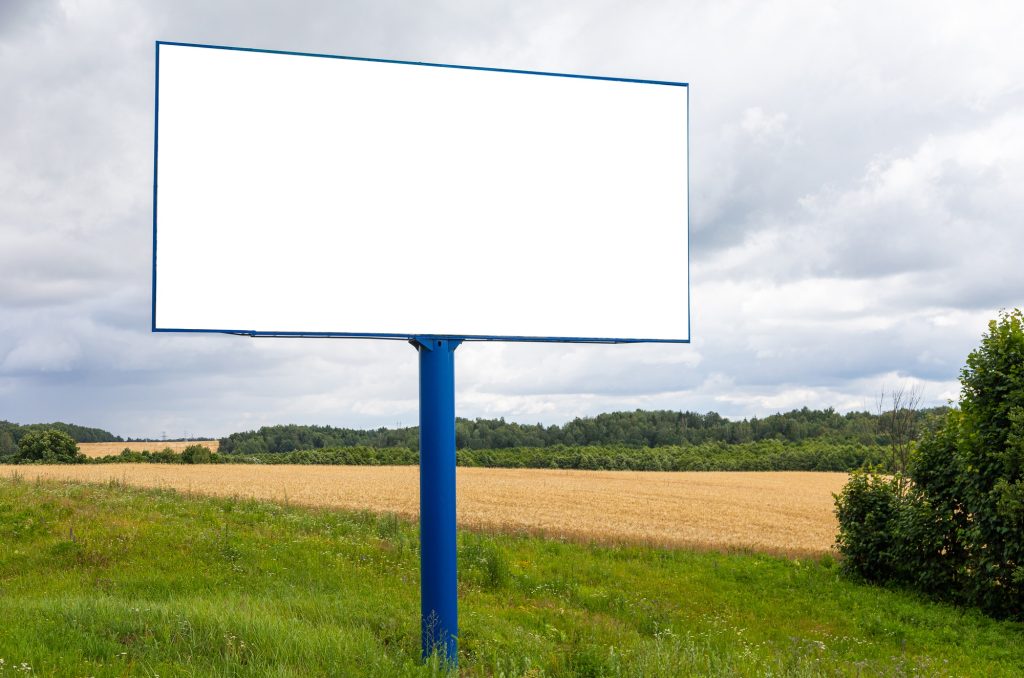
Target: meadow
point(110, 580)
point(787, 513)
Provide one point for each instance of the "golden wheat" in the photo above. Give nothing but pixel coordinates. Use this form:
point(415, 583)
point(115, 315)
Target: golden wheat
point(107, 449)
point(781, 512)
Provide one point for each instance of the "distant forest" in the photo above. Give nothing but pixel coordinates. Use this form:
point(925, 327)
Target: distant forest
point(638, 429)
point(11, 433)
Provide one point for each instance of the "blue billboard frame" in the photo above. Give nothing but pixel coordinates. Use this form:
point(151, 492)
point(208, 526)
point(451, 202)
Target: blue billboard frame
point(409, 336)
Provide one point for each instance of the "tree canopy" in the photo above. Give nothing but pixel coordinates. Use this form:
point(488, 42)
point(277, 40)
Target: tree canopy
point(639, 429)
point(47, 446)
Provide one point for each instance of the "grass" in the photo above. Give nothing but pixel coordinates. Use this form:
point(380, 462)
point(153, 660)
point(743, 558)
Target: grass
point(108, 580)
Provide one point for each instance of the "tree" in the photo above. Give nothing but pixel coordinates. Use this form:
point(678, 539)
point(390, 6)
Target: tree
point(991, 459)
point(898, 423)
point(8, 448)
point(47, 447)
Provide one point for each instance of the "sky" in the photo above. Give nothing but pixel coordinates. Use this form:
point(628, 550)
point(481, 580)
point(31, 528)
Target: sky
point(856, 174)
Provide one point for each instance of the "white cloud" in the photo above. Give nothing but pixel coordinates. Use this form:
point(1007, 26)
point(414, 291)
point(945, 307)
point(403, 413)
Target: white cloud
point(763, 127)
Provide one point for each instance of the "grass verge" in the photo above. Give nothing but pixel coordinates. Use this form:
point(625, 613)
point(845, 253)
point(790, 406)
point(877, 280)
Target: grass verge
point(107, 580)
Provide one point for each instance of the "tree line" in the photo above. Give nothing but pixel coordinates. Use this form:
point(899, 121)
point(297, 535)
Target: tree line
point(11, 434)
point(637, 429)
point(768, 455)
point(805, 439)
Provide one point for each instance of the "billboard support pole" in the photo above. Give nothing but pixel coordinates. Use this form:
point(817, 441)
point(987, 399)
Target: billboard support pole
point(439, 621)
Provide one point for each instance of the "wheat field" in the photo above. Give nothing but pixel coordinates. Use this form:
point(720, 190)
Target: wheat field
point(787, 513)
point(107, 449)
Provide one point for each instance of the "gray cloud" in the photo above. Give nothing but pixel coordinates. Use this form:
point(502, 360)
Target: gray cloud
point(854, 199)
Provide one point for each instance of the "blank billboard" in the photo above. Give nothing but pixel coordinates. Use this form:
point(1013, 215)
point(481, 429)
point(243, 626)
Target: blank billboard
point(310, 194)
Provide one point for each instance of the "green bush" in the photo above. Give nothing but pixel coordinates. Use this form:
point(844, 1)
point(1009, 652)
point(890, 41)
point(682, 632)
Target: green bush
point(958, 532)
point(867, 509)
point(47, 447)
point(196, 454)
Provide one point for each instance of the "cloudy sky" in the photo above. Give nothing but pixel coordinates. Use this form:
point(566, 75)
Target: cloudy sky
point(857, 192)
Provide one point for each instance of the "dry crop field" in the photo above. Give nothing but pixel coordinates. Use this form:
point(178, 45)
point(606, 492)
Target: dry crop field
point(776, 512)
point(107, 449)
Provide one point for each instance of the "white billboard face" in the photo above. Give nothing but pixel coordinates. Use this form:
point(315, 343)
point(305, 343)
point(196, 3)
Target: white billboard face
point(302, 194)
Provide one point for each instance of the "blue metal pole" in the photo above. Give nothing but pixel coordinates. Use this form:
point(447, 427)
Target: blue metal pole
point(438, 550)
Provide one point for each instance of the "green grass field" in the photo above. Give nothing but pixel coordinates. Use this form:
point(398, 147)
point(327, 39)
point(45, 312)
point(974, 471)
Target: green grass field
point(105, 580)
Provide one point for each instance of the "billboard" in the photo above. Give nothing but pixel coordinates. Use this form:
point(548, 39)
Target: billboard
point(300, 194)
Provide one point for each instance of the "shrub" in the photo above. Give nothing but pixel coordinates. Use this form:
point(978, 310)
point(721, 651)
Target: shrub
point(867, 509)
point(196, 454)
point(48, 447)
point(958, 532)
